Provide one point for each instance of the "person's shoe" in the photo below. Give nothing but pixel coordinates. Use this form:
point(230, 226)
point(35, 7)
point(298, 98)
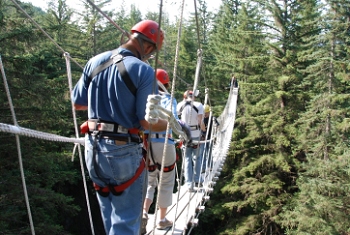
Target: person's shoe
point(162, 225)
point(191, 190)
point(144, 223)
point(198, 185)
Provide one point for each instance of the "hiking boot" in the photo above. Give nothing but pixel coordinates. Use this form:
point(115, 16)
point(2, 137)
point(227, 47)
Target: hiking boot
point(144, 223)
point(162, 225)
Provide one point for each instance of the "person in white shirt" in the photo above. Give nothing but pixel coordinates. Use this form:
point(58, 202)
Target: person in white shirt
point(191, 112)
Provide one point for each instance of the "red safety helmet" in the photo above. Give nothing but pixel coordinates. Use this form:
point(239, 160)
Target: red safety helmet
point(188, 93)
point(162, 76)
point(149, 29)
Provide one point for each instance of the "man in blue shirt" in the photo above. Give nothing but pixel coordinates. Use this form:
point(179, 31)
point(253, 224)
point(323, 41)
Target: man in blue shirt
point(115, 97)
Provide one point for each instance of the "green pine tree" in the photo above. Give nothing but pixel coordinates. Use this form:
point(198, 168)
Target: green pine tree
point(323, 196)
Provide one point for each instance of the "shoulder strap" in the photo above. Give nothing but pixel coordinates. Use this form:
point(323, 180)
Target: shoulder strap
point(182, 108)
point(124, 74)
point(100, 68)
point(117, 59)
point(195, 109)
point(188, 103)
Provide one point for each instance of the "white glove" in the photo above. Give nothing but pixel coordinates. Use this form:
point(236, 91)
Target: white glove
point(164, 113)
point(152, 112)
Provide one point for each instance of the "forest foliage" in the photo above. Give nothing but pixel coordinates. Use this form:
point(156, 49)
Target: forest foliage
point(288, 168)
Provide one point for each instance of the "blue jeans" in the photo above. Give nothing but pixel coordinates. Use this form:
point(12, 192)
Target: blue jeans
point(192, 169)
point(115, 164)
point(207, 159)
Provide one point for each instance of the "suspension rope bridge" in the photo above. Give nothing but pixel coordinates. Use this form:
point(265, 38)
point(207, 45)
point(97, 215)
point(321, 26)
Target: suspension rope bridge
point(187, 205)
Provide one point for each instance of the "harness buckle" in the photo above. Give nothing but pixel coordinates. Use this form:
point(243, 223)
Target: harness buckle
point(117, 58)
point(95, 133)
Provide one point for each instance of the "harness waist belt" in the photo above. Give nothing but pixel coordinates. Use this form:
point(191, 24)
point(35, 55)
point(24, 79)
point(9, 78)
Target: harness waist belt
point(156, 135)
point(110, 127)
point(126, 139)
point(194, 146)
point(194, 127)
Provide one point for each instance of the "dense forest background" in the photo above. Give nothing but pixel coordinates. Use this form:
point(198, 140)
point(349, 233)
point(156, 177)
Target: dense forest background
point(288, 168)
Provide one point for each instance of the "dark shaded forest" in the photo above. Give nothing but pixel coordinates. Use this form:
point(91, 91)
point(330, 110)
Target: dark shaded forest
point(288, 169)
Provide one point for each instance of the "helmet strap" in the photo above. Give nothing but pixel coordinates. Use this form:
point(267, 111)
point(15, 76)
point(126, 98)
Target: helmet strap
point(141, 39)
point(162, 87)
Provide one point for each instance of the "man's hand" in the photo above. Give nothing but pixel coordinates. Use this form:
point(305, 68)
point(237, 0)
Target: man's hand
point(152, 112)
